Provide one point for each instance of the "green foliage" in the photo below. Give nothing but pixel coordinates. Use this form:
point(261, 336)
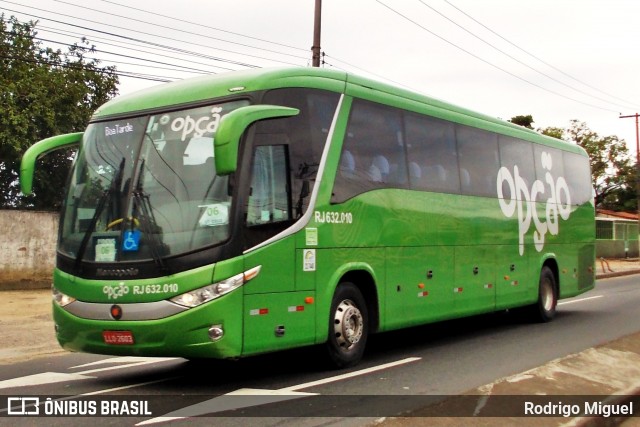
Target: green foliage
point(43, 93)
point(612, 170)
point(525, 121)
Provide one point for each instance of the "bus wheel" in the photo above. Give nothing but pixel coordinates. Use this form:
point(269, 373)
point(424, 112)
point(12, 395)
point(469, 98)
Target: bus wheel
point(545, 309)
point(348, 326)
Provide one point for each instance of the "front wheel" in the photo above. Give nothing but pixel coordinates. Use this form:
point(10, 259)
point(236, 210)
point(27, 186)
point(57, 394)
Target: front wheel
point(348, 326)
point(544, 310)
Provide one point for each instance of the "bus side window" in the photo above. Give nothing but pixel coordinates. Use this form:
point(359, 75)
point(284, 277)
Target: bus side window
point(372, 153)
point(479, 160)
point(431, 149)
point(307, 133)
point(516, 152)
point(578, 176)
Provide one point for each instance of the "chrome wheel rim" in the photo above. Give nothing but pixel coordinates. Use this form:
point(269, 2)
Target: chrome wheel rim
point(348, 324)
point(546, 296)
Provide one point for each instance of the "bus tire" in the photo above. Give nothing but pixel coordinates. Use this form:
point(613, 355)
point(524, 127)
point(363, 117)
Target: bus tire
point(348, 326)
point(545, 309)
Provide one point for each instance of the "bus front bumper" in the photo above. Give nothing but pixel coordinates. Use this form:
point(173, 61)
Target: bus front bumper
point(212, 330)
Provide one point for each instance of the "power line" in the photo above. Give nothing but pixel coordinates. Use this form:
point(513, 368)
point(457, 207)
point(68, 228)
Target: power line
point(125, 45)
point(155, 24)
point(185, 68)
point(145, 33)
point(517, 60)
point(173, 18)
point(119, 72)
point(138, 40)
point(368, 72)
point(124, 73)
point(490, 63)
point(534, 56)
point(97, 70)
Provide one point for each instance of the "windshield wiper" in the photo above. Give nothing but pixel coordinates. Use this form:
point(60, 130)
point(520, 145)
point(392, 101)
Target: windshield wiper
point(149, 225)
point(148, 222)
point(115, 184)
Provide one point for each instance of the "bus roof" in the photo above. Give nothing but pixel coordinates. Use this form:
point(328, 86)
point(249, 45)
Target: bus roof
point(213, 86)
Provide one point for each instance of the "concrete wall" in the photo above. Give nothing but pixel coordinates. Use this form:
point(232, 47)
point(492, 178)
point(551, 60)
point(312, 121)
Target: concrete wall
point(27, 248)
point(616, 249)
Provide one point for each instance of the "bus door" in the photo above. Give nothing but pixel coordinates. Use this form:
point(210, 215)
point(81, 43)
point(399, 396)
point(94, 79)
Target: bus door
point(275, 315)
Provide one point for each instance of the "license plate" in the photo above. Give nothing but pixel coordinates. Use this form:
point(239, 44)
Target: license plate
point(118, 337)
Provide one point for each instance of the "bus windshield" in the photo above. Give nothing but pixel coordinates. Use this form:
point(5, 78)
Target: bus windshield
point(146, 188)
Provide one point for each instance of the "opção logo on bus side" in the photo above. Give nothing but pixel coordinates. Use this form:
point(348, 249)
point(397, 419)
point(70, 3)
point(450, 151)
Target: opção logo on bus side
point(522, 200)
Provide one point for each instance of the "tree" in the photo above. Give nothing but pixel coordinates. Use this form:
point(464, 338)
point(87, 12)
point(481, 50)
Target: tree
point(525, 121)
point(43, 93)
point(612, 171)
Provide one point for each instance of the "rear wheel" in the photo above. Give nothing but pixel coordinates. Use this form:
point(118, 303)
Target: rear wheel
point(545, 309)
point(348, 326)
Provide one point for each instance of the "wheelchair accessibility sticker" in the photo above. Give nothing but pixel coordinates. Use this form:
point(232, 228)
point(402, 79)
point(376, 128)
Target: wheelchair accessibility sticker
point(131, 241)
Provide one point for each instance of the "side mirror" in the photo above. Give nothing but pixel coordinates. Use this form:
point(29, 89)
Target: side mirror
point(28, 163)
point(233, 125)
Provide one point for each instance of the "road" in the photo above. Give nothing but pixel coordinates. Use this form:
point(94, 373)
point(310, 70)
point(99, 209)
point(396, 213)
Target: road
point(401, 371)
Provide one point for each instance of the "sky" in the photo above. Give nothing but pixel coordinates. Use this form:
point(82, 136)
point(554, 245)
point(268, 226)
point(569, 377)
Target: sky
point(556, 60)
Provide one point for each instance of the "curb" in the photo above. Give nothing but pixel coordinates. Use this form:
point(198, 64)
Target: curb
point(617, 274)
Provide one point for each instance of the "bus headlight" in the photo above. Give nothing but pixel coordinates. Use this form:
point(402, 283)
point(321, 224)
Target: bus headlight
point(205, 294)
point(61, 299)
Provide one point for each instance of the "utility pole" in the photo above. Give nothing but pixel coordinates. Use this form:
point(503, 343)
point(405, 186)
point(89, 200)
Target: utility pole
point(636, 115)
point(315, 49)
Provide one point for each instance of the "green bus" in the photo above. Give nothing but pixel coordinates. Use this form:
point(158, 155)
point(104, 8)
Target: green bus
point(236, 214)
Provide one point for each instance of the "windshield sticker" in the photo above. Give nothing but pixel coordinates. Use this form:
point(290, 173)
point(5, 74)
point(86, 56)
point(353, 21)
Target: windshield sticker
point(214, 214)
point(131, 241)
point(118, 129)
point(195, 127)
point(523, 199)
point(105, 250)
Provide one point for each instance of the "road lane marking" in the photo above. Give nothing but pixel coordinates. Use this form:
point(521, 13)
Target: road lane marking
point(351, 374)
point(44, 378)
point(261, 396)
point(125, 359)
point(229, 402)
point(130, 365)
point(580, 300)
point(126, 387)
